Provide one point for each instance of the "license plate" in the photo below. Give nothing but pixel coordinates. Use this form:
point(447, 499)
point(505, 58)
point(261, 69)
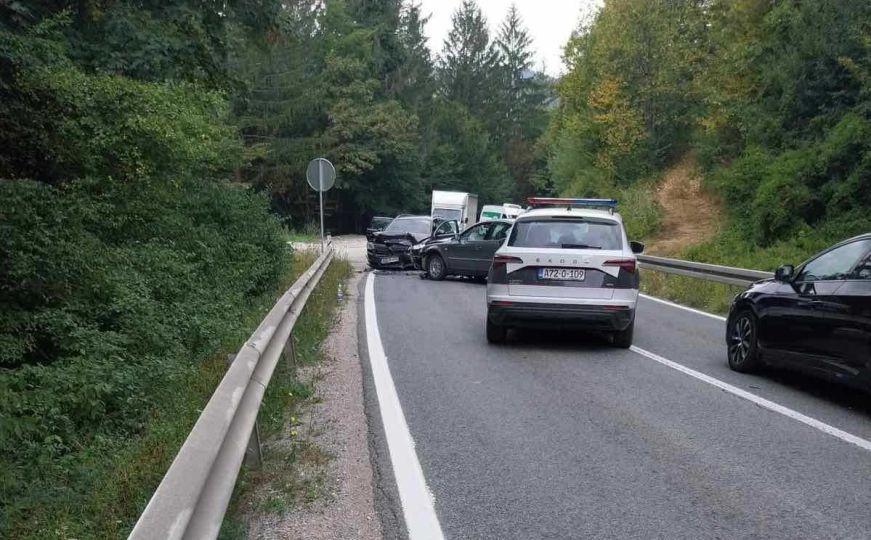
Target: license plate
point(561, 274)
point(388, 260)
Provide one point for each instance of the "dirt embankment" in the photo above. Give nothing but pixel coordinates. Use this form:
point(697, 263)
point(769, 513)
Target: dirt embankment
point(690, 214)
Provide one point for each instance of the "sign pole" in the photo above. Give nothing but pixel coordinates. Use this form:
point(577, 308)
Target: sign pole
point(321, 196)
point(320, 175)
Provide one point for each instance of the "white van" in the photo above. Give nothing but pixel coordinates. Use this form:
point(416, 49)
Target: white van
point(455, 206)
point(503, 211)
point(493, 211)
point(512, 210)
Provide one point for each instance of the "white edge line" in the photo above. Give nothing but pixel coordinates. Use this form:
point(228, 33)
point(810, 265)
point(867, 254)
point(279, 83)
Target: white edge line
point(762, 402)
point(416, 498)
point(691, 310)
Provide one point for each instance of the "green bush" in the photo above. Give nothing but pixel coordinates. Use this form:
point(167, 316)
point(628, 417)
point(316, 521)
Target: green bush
point(641, 213)
point(110, 292)
point(61, 123)
point(126, 268)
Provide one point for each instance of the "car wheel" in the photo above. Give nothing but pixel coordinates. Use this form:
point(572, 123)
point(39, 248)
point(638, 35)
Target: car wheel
point(496, 333)
point(623, 338)
point(435, 267)
point(743, 344)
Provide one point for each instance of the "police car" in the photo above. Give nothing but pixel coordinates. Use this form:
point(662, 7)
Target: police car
point(567, 264)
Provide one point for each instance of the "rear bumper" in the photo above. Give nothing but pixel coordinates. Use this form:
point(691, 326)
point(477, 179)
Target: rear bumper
point(549, 316)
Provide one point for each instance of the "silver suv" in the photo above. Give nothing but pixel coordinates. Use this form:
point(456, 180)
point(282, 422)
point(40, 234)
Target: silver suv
point(568, 265)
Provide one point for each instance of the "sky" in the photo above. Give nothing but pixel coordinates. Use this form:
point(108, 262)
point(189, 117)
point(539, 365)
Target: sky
point(550, 24)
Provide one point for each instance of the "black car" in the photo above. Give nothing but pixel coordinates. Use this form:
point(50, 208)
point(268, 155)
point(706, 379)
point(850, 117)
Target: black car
point(391, 248)
point(377, 224)
point(816, 318)
point(466, 254)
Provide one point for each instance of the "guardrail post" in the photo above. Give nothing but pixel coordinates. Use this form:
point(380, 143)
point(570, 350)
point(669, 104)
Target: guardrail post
point(254, 453)
point(292, 352)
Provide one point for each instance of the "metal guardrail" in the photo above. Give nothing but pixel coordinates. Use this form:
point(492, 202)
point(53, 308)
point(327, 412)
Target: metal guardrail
point(710, 272)
point(192, 498)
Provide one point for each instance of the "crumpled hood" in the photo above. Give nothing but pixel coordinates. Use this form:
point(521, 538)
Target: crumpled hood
point(406, 239)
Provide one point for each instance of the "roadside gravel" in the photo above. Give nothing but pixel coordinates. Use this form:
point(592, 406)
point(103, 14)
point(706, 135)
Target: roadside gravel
point(334, 423)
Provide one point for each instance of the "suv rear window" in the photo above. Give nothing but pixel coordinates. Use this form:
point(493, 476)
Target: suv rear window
point(566, 234)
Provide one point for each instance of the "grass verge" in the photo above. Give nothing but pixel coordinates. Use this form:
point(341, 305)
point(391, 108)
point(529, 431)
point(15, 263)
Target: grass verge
point(730, 248)
point(291, 474)
point(693, 292)
point(311, 232)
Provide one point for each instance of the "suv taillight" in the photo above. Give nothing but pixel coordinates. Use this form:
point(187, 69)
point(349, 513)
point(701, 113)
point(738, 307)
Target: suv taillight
point(625, 264)
point(499, 271)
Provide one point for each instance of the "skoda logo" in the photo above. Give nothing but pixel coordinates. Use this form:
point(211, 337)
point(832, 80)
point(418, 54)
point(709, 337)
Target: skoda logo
point(563, 261)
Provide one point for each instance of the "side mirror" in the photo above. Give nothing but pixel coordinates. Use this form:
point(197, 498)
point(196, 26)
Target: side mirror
point(784, 273)
point(637, 247)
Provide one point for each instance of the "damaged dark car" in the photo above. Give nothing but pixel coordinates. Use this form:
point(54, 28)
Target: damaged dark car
point(391, 248)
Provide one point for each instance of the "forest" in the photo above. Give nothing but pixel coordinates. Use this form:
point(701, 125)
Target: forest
point(152, 159)
point(771, 98)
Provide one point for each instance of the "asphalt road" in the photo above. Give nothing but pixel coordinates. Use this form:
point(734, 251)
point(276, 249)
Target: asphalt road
point(556, 436)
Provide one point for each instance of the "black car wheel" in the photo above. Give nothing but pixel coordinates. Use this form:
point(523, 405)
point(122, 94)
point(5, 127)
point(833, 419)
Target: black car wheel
point(496, 333)
point(623, 338)
point(743, 345)
point(436, 268)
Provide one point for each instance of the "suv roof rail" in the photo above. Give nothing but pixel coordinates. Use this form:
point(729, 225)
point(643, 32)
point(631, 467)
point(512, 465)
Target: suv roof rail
point(572, 202)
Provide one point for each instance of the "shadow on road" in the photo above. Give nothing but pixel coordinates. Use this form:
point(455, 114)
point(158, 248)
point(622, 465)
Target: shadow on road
point(833, 392)
point(559, 340)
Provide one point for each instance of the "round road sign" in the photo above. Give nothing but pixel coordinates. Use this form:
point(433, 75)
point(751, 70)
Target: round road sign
point(321, 174)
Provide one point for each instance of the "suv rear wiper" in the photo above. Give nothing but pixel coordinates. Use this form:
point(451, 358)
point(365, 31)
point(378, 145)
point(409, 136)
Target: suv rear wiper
point(579, 246)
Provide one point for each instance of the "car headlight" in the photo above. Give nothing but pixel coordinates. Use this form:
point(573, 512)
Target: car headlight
point(417, 247)
point(370, 245)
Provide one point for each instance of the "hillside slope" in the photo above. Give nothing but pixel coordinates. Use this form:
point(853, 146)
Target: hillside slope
point(690, 214)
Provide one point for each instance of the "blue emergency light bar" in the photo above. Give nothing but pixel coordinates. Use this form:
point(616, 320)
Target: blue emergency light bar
point(571, 201)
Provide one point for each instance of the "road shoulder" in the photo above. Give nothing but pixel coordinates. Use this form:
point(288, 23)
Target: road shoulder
point(333, 424)
point(387, 502)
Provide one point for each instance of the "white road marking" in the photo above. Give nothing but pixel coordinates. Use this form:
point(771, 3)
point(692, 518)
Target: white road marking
point(691, 310)
point(762, 402)
point(417, 500)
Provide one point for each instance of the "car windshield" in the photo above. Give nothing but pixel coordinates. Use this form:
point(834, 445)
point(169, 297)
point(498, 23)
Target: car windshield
point(566, 234)
point(447, 214)
point(380, 222)
point(414, 225)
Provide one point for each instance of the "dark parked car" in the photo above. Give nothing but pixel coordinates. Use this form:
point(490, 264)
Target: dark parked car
point(467, 254)
point(378, 224)
point(391, 248)
point(816, 318)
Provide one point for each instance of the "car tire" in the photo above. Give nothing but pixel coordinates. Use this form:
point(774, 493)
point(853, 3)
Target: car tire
point(743, 344)
point(496, 333)
point(436, 269)
point(623, 338)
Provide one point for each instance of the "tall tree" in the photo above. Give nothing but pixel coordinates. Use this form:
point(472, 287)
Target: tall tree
point(519, 107)
point(416, 84)
point(515, 54)
point(382, 19)
point(468, 60)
